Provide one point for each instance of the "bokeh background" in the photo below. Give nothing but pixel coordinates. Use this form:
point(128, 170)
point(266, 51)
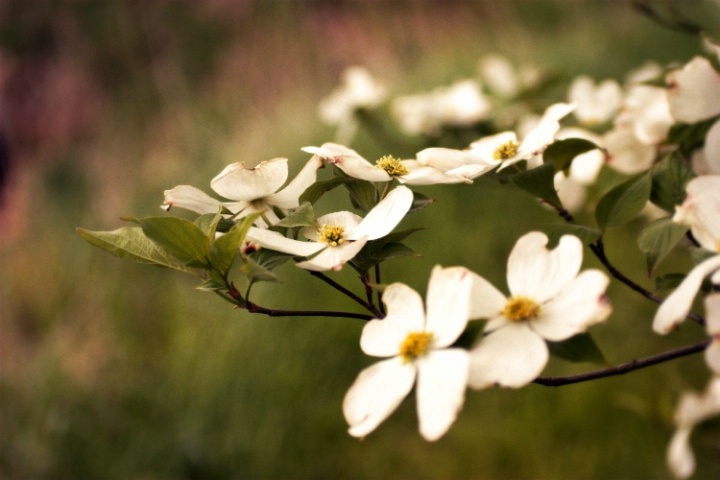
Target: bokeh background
point(111, 370)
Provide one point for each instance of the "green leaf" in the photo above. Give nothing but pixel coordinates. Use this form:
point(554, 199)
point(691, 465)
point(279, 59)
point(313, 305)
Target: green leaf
point(539, 183)
point(669, 282)
point(362, 195)
point(378, 251)
point(303, 216)
point(579, 348)
point(313, 193)
point(130, 243)
point(624, 202)
point(224, 249)
point(586, 234)
point(658, 239)
point(419, 202)
point(208, 223)
point(562, 152)
point(669, 179)
point(181, 238)
point(689, 136)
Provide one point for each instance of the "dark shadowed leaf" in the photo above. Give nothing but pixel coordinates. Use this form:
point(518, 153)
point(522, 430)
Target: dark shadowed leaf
point(562, 152)
point(580, 348)
point(658, 239)
point(621, 204)
point(669, 179)
point(539, 183)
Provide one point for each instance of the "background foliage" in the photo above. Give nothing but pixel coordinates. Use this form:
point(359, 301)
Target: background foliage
point(115, 370)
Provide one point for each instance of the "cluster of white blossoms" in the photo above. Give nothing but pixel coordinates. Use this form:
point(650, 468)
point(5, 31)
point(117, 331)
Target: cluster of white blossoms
point(627, 127)
point(550, 301)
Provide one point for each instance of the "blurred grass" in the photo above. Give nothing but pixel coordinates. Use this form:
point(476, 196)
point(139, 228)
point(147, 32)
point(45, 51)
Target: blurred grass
point(114, 370)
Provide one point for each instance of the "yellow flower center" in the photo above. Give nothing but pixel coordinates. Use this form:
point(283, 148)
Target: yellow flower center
point(392, 165)
point(506, 150)
point(332, 235)
point(521, 308)
point(415, 345)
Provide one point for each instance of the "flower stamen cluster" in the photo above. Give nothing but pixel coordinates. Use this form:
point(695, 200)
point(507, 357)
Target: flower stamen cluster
point(332, 235)
point(415, 345)
point(521, 308)
point(506, 150)
point(392, 165)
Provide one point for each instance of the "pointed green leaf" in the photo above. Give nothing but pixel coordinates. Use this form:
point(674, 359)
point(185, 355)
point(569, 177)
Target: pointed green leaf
point(130, 243)
point(579, 348)
point(378, 251)
point(224, 249)
point(624, 202)
point(539, 183)
point(362, 195)
point(256, 272)
point(689, 136)
point(303, 216)
point(669, 179)
point(658, 239)
point(181, 238)
point(419, 202)
point(313, 193)
point(562, 152)
point(208, 223)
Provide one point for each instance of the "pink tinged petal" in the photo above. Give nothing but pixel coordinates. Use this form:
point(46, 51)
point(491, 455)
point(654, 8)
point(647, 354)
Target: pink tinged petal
point(512, 356)
point(275, 241)
point(694, 93)
point(441, 383)
point(237, 182)
point(384, 216)
point(581, 304)
point(448, 304)
point(405, 314)
point(289, 197)
point(486, 301)
point(539, 273)
point(676, 306)
point(680, 457)
point(376, 393)
point(333, 258)
point(191, 198)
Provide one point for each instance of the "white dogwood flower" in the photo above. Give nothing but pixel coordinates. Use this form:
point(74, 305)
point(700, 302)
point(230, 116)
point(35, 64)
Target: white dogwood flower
point(251, 190)
point(420, 171)
point(339, 236)
point(550, 299)
point(699, 211)
point(504, 149)
point(692, 409)
point(596, 103)
point(416, 339)
point(694, 92)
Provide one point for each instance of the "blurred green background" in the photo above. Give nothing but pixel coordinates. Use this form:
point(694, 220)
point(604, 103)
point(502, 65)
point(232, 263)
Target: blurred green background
point(111, 370)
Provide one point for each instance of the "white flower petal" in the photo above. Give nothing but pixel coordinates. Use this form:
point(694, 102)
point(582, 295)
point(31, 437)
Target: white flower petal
point(694, 94)
point(441, 383)
point(238, 182)
point(448, 304)
point(677, 305)
point(579, 305)
point(712, 150)
point(384, 216)
point(512, 356)
point(350, 162)
point(289, 197)
point(376, 393)
point(277, 242)
point(191, 198)
point(626, 153)
point(712, 356)
point(405, 314)
point(486, 301)
point(700, 210)
point(538, 273)
point(712, 314)
point(485, 148)
point(333, 258)
point(432, 176)
point(680, 457)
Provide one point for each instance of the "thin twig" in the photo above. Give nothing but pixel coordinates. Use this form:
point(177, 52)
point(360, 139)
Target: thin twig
point(273, 312)
point(623, 368)
point(379, 293)
point(368, 306)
